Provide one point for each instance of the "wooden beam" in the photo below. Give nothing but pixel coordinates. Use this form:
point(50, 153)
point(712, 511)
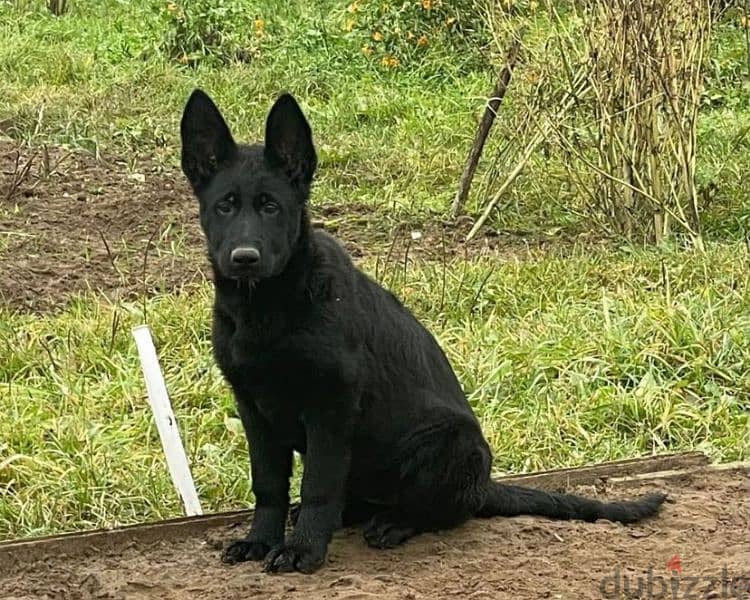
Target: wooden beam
point(561, 480)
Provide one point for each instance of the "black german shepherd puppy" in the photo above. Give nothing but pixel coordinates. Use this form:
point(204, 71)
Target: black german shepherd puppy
point(324, 361)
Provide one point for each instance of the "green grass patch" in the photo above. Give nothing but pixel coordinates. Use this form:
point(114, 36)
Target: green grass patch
point(107, 76)
point(565, 360)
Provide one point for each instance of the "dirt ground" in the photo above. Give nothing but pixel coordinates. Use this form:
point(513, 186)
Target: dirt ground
point(699, 547)
point(71, 223)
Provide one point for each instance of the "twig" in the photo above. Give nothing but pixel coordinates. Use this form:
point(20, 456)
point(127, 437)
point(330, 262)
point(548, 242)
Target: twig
point(570, 98)
point(530, 148)
point(481, 287)
point(112, 257)
point(490, 112)
point(19, 175)
point(48, 351)
point(113, 330)
point(390, 253)
point(445, 269)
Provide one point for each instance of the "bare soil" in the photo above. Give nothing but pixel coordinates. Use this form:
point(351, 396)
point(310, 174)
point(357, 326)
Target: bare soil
point(71, 223)
point(699, 547)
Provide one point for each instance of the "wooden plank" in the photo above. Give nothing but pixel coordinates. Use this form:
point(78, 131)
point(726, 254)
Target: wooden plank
point(103, 540)
point(561, 480)
point(626, 481)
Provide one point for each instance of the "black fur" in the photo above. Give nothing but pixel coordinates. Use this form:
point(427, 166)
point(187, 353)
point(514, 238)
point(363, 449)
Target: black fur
point(324, 361)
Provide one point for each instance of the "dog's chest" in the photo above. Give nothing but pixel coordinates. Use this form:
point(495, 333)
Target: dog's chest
point(243, 346)
point(257, 374)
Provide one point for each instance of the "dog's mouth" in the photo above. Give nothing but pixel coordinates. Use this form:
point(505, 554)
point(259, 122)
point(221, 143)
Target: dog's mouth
point(243, 273)
point(246, 284)
point(244, 278)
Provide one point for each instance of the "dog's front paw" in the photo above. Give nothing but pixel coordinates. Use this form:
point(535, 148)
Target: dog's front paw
point(295, 557)
point(244, 550)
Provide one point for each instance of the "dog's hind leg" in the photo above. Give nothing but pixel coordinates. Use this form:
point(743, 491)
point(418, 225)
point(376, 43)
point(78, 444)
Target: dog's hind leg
point(442, 483)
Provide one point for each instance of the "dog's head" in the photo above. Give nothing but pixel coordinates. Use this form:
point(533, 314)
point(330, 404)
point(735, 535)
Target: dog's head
point(252, 198)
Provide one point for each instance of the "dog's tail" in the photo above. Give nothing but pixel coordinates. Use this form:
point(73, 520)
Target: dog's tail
point(512, 500)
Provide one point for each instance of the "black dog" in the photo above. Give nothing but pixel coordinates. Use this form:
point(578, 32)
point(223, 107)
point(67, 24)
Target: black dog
point(324, 361)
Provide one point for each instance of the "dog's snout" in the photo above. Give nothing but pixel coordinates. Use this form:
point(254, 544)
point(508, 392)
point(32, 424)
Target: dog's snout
point(245, 256)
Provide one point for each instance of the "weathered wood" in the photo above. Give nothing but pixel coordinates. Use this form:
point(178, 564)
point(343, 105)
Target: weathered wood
point(563, 479)
point(105, 540)
point(490, 112)
point(739, 466)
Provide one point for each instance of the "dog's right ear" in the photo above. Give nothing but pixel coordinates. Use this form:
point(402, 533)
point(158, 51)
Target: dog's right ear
point(207, 143)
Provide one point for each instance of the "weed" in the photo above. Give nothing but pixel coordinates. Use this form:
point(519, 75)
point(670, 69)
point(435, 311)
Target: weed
point(223, 31)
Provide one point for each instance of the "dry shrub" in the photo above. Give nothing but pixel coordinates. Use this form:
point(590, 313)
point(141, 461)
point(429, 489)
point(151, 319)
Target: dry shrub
point(610, 96)
point(646, 79)
point(57, 7)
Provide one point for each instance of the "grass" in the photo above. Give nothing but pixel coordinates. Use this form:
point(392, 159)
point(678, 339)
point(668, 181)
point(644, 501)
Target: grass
point(392, 138)
point(101, 85)
point(567, 358)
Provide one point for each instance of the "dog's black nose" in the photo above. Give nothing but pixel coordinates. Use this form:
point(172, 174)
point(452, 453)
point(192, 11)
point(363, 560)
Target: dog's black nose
point(245, 256)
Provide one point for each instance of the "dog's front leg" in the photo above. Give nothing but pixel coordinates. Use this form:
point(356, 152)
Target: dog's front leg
point(326, 468)
point(271, 468)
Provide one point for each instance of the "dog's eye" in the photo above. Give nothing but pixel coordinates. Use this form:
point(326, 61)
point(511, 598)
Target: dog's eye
point(226, 206)
point(270, 208)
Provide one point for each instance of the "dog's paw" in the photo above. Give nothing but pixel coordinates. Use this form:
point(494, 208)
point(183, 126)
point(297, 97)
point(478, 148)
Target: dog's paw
point(287, 558)
point(385, 532)
point(243, 550)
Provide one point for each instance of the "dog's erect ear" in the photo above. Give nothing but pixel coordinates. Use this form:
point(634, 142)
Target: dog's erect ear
point(207, 143)
point(289, 142)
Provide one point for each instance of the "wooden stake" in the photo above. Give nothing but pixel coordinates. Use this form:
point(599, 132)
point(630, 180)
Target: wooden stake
point(490, 112)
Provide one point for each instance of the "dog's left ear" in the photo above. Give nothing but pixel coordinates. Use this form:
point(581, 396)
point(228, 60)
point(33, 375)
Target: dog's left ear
point(289, 142)
point(207, 143)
